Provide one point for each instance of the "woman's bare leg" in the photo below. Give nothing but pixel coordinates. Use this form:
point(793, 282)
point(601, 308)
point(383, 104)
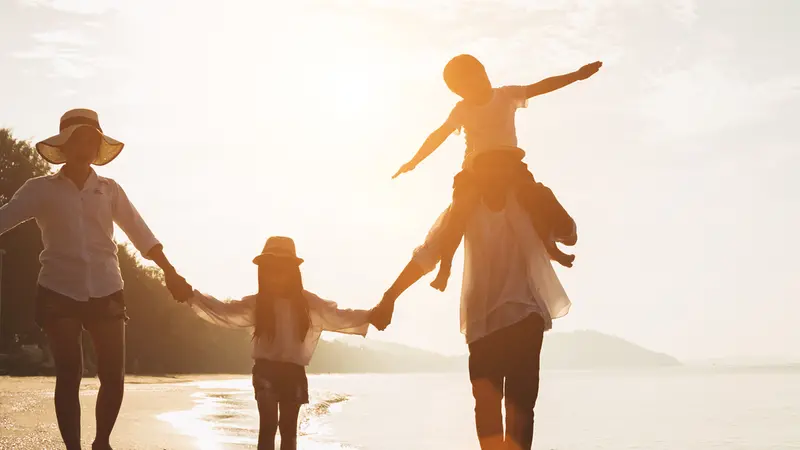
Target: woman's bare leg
point(64, 337)
point(108, 338)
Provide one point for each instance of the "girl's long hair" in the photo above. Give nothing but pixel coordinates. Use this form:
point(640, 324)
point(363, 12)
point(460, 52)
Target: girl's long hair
point(266, 324)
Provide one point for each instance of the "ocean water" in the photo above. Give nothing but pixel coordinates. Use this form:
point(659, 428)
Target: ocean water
point(665, 409)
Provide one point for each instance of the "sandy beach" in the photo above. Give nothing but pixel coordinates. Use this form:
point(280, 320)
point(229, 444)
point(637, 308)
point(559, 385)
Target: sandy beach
point(28, 421)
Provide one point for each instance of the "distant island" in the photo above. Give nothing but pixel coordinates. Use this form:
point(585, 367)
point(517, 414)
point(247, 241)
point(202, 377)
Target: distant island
point(572, 350)
point(370, 356)
point(595, 350)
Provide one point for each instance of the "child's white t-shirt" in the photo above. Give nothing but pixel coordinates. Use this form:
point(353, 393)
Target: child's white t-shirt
point(490, 126)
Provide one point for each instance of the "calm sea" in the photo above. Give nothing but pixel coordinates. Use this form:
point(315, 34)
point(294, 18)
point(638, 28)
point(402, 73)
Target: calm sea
point(675, 409)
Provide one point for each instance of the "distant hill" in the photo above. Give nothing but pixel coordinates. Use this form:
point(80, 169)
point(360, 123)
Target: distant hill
point(595, 350)
point(574, 350)
point(361, 355)
point(761, 362)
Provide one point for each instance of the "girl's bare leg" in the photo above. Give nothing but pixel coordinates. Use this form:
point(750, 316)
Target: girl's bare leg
point(268, 423)
point(288, 425)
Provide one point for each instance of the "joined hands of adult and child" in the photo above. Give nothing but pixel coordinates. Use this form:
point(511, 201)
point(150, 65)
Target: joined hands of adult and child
point(381, 315)
point(180, 289)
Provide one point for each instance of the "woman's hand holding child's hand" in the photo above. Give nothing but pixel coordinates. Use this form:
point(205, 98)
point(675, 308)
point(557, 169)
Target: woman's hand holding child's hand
point(381, 315)
point(178, 287)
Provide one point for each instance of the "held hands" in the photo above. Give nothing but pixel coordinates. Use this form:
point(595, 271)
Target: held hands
point(381, 315)
point(407, 167)
point(177, 286)
point(589, 70)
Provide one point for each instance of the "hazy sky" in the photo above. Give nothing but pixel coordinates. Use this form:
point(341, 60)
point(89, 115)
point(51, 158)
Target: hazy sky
point(245, 119)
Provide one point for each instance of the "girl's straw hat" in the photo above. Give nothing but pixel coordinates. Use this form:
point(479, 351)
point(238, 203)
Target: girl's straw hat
point(278, 247)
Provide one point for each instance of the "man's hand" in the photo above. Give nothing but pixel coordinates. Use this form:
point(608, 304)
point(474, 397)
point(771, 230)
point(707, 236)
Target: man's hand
point(381, 315)
point(407, 167)
point(589, 70)
point(177, 286)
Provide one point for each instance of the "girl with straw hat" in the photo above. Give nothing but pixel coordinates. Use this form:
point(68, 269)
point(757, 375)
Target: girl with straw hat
point(287, 322)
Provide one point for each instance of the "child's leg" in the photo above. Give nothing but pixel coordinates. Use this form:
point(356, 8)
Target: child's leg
point(293, 394)
point(268, 422)
point(546, 215)
point(454, 231)
point(464, 197)
point(562, 226)
point(288, 425)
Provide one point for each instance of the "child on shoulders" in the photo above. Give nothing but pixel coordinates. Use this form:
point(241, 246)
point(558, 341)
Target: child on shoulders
point(487, 115)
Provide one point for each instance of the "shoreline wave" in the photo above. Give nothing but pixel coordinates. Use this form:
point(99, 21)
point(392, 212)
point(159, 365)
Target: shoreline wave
point(225, 415)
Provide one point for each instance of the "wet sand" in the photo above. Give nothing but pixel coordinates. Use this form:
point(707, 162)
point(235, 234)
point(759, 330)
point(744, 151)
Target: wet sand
point(27, 416)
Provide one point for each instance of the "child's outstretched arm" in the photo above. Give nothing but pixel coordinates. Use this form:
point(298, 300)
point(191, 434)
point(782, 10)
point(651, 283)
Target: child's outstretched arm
point(433, 142)
point(231, 314)
point(340, 320)
point(554, 83)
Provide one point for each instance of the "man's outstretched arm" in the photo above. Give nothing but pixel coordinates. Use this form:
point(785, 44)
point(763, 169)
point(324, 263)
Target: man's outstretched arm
point(410, 275)
point(424, 261)
point(382, 314)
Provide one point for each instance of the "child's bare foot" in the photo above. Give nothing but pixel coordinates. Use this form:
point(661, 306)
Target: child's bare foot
point(568, 261)
point(440, 282)
point(558, 256)
point(564, 259)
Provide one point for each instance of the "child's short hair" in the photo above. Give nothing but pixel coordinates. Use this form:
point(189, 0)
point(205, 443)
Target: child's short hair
point(460, 68)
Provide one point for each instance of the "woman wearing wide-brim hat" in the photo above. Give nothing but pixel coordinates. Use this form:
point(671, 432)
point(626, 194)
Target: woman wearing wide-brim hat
point(80, 284)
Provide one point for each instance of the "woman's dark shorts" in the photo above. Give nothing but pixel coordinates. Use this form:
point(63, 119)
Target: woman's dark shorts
point(51, 305)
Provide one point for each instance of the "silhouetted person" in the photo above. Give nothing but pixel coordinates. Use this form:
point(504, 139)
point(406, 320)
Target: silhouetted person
point(80, 284)
point(287, 322)
point(509, 297)
point(487, 116)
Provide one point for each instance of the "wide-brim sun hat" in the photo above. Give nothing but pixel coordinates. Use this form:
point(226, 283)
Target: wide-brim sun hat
point(279, 247)
point(50, 148)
